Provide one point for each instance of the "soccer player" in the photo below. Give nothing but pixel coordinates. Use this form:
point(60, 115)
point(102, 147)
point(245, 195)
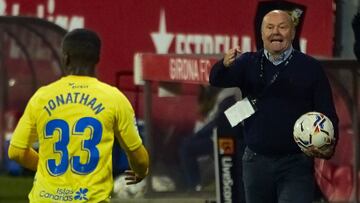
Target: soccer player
point(75, 120)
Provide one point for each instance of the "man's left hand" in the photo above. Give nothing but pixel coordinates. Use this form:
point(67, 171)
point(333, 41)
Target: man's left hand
point(326, 153)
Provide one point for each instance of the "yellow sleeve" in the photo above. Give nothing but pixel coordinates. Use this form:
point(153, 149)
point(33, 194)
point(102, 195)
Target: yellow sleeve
point(139, 161)
point(28, 157)
point(25, 131)
point(126, 128)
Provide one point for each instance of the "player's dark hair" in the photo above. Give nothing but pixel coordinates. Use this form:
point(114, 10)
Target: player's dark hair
point(82, 47)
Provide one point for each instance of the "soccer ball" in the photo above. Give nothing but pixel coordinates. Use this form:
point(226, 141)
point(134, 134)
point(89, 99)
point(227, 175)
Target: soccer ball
point(123, 191)
point(313, 129)
point(162, 183)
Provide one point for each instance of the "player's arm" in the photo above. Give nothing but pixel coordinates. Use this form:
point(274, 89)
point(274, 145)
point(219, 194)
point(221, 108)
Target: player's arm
point(128, 136)
point(139, 163)
point(27, 157)
point(24, 135)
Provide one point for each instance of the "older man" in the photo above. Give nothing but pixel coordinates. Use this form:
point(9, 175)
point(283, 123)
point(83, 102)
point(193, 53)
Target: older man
point(282, 84)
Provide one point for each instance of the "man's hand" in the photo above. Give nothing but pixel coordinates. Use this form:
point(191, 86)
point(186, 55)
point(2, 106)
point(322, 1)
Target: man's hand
point(230, 56)
point(326, 153)
point(131, 178)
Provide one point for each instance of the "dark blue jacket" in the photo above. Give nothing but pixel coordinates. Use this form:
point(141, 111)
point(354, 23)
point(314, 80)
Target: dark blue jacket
point(300, 87)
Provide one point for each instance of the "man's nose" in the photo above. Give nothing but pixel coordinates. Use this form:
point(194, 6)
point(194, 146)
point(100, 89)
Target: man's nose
point(275, 30)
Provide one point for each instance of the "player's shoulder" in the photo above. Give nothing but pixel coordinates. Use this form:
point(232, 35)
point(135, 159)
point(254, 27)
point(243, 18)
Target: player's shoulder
point(109, 88)
point(111, 91)
point(45, 89)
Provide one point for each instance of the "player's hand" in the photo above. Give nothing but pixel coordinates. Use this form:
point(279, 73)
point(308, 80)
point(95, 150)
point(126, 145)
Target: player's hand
point(230, 56)
point(131, 178)
point(326, 153)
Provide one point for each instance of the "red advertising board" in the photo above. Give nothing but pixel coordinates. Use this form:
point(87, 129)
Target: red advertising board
point(190, 69)
point(186, 27)
point(170, 26)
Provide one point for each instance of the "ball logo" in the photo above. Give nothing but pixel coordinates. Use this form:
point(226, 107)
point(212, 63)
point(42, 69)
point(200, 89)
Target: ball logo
point(226, 146)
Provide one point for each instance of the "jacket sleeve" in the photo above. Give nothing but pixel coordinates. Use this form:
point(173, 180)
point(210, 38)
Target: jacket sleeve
point(221, 76)
point(324, 101)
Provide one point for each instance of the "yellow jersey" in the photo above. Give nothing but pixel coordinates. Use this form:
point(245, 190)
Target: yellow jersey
point(75, 120)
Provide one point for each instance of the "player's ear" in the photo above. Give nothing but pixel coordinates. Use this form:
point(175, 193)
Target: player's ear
point(65, 62)
point(66, 59)
point(293, 32)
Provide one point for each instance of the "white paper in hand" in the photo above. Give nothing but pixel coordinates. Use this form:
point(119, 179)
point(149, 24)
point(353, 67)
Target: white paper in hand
point(239, 111)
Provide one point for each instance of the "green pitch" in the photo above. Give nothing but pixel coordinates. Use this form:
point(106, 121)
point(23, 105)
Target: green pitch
point(15, 189)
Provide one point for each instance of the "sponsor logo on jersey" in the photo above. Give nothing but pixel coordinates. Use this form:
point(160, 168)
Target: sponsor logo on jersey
point(65, 194)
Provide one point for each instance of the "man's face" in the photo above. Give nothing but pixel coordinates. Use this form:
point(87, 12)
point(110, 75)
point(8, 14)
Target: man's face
point(277, 32)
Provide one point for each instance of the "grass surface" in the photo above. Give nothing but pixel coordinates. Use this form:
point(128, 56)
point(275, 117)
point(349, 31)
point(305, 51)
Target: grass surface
point(15, 189)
